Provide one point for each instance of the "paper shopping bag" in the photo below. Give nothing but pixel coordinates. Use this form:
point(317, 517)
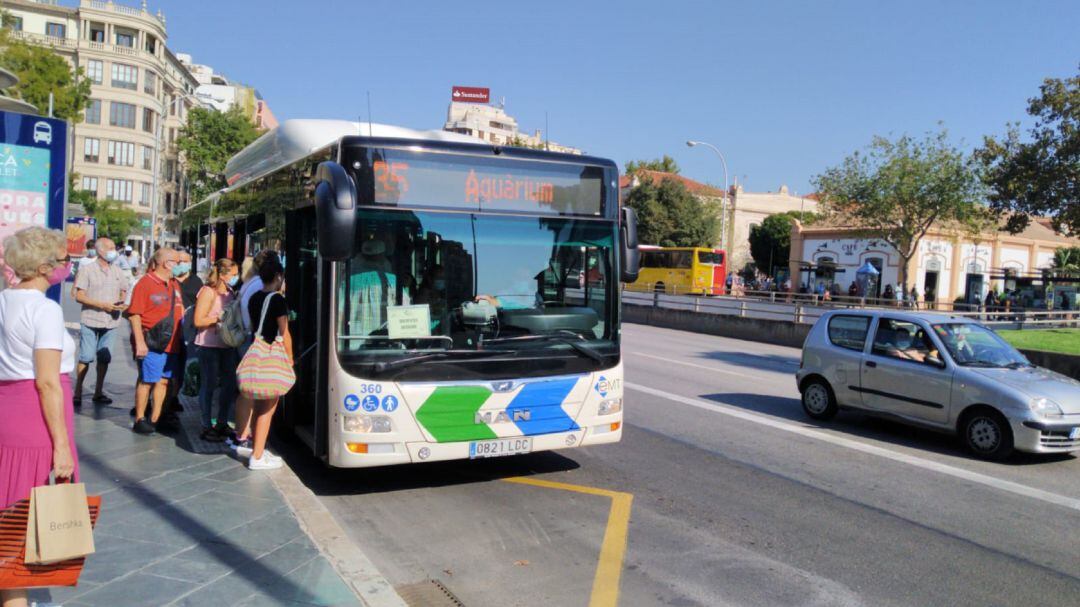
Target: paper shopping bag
point(58, 525)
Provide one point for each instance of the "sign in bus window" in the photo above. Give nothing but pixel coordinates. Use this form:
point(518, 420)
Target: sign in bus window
point(407, 178)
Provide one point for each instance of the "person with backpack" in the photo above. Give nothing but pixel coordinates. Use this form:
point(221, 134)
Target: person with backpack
point(155, 312)
point(266, 372)
point(217, 359)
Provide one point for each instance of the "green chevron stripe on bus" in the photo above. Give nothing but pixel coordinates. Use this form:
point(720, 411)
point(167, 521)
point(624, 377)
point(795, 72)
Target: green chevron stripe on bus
point(449, 414)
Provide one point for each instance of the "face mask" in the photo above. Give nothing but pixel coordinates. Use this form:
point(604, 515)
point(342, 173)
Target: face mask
point(440, 285)
point(111, 256)
point(91, 253)
point(59, 274)
point(233, 281)
point(181, 268)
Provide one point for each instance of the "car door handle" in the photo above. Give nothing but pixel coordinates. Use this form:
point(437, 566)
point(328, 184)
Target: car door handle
point(871, 364)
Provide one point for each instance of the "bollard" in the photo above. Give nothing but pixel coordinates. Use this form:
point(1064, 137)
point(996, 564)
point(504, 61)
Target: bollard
point(798, 313)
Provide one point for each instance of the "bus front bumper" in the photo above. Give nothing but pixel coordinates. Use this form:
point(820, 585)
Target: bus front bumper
point(367, 455)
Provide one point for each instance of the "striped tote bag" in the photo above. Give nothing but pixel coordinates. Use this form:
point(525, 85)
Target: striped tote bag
point(265, 373)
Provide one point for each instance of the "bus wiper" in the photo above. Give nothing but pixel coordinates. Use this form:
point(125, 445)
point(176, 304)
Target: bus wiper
point(563, 337)
point(382, 367)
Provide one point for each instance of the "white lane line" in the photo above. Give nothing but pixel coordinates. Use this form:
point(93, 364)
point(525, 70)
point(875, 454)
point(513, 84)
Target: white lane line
point(742, 374)
point(911, 460)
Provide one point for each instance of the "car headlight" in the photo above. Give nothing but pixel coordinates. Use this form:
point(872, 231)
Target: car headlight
point(609, 406)
point(1045, 407)
point(367, 423)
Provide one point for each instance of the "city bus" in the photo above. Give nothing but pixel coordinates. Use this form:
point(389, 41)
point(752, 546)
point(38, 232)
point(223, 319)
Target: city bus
point(681, 270)
point(436, 283)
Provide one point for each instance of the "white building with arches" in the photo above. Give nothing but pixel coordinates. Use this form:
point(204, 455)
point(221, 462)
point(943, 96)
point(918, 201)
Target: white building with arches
point(947, 265)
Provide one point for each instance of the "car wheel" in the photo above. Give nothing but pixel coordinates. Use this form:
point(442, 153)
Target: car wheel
point(988, 435)
point(818, 400)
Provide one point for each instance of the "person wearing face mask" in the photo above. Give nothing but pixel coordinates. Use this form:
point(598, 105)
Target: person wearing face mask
point(100, 288)
point(217, 360)
point(155, 313)
point(37, 357)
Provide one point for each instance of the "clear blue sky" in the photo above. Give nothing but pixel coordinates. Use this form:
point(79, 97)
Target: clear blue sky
point(784, 89)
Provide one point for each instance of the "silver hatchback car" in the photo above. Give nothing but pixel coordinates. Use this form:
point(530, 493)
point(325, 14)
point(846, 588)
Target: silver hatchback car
point(941, 372)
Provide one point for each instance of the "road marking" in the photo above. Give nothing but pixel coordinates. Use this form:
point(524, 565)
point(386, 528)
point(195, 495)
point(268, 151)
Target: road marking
point(605, 589)
point(975, 477)
point(708, 367)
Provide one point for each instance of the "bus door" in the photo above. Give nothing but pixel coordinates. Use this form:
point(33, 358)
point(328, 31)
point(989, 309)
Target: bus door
point(305, 408)
point(681, 264)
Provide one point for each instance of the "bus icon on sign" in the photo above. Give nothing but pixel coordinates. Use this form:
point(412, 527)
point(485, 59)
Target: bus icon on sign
point(43, 133)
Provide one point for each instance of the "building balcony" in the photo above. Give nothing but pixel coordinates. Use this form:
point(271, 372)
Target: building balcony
point(120, 9)
point(42, 40)
point(115, 49)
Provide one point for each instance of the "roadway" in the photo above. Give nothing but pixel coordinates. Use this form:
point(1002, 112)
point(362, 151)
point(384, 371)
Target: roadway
point(738, 499)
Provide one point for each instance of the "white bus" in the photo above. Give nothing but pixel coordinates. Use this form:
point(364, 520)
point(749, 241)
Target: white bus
point(439, 310)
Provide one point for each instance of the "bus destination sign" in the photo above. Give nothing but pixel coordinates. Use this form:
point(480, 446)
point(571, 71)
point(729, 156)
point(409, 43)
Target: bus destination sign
point(436, 180)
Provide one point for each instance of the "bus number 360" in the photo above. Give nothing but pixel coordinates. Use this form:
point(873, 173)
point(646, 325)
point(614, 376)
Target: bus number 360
point(371, 389)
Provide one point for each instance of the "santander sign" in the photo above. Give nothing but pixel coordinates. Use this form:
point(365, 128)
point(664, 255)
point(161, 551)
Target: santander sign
point(471, 94)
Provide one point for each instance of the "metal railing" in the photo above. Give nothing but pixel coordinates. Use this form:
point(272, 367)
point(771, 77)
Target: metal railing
point(808, 307)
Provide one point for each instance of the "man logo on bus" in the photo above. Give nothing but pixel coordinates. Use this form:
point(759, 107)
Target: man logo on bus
point(497, 417)
point(604, 385)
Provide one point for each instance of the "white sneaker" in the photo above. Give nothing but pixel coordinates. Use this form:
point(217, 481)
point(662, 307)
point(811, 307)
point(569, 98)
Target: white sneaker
point(272, 457)
point(265, 463)
point(244, 451)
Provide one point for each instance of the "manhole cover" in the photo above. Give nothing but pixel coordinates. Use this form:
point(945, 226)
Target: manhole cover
point(431, 593)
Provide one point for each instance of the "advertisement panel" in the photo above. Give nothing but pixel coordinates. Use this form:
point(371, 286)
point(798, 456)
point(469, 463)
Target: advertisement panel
point(33, 183)
point(471, 94)
point(80, 230)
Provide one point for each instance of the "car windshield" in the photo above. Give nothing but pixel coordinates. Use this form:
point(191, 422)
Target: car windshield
point(972, 345)
point(427, 287)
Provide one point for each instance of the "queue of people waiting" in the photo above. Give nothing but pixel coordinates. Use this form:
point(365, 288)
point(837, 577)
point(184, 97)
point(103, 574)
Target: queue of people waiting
point(175, 316)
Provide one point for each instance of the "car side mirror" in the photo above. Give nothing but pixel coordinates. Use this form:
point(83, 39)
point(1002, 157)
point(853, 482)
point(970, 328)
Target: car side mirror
point(935, 361)
point(630, 255)
point(335, 212)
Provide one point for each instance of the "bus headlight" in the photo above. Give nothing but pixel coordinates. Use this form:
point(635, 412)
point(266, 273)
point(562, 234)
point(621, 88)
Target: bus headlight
point(368, 423)
point(609, 406)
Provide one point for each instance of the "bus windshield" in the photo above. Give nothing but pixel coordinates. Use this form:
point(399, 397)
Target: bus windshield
point(428, 292)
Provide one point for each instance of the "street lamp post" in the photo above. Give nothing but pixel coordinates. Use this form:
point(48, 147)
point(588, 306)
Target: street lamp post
point(723, 201)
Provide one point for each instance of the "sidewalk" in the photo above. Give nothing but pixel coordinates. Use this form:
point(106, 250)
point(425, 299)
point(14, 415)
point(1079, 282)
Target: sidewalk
point(184, 528)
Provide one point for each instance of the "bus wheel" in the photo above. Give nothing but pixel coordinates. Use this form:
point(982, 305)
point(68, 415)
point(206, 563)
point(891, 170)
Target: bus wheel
point(659, 288)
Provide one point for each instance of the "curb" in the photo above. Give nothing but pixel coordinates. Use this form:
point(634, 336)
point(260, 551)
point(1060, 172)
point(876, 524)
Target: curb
point(347, 559)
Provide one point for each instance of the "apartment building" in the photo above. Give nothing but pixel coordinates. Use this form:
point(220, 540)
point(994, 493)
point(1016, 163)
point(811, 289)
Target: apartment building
point(216, 91)
point(140, 93)
point(492, 124)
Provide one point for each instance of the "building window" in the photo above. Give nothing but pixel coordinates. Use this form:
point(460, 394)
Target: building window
point(145, 200)
point(97, 32)
point(118, 189)
point(125, 39)
point(122, 114)
point(121, 153)
point(89, 184)
point(147, 158)
point(172, 105)
point(14, 23)
point(91, 150)
point(95, 71)
point(148, 120)
point(169, 170)
point(169, 210)
point(125, 76)
point(150, 84)
point(172, 135)
point(151, 44)
point(93, 113)
point(56, 30)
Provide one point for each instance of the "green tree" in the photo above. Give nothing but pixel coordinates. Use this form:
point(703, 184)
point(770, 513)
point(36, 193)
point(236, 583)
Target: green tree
point(670, 216)
point(770, 241)
point(1067, 259)
point(42, 71)
point(1040, 176)
point(666, 164)
point(115, 220)
point(898, 189)
point(208, 140)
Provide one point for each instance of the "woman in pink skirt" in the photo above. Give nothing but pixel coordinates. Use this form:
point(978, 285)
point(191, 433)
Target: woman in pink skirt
point(36, 357)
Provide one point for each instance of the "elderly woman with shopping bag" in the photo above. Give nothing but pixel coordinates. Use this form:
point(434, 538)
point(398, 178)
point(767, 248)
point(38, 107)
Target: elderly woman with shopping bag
point(37, 355)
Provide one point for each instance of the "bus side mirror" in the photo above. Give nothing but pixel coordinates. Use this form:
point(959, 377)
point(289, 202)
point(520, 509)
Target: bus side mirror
point(335, 212)
point(631, 256)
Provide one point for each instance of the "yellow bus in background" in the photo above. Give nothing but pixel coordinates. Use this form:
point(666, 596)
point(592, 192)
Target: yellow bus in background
point(681, 270)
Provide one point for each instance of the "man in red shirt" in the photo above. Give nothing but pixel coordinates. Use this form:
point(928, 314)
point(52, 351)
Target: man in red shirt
point(156, 293)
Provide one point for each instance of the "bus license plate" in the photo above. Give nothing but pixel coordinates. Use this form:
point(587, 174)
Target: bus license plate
point(500, 448)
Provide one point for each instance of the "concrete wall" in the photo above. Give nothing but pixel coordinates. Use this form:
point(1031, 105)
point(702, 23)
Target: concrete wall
point(779, 332)
point(1066, 364)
